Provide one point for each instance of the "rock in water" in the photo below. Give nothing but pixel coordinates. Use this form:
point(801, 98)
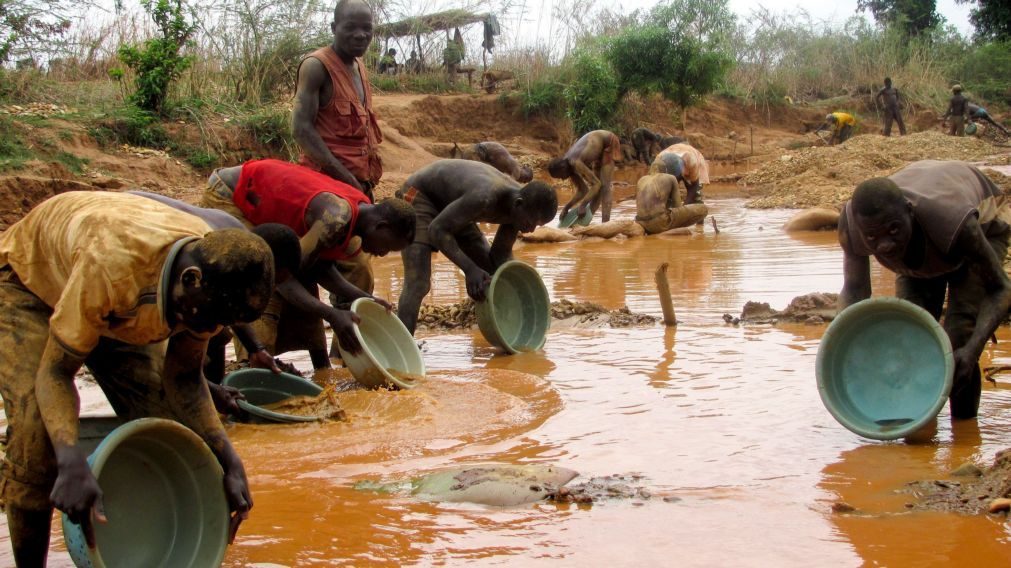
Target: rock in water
point(497, 485)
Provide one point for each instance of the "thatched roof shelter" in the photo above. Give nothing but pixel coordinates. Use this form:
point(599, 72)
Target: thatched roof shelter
point(420, 25)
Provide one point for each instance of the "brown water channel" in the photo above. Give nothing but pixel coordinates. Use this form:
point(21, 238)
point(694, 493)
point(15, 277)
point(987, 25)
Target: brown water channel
point(725, 419)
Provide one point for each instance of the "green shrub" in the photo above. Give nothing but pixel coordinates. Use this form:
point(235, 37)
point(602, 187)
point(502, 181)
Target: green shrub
point(272, 129)
point(131, 126)
point(13, 151)
point(984, 72)
point(158, 62)
point(592, 96)
point(201, 159)
point(73, 163)
point(543, 97)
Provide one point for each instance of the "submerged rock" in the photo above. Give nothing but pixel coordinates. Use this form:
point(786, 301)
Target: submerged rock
point(814, 309)
point(499, 485)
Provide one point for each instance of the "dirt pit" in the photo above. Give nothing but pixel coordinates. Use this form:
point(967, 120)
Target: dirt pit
point(826, 175)
point(816, 308)
point(565, 313)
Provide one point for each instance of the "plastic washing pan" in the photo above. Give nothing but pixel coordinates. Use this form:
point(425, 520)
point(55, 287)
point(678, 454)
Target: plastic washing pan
point(389, 356)
point(262, 386)
point(516, 312)
point(884, 368)
point(164, 497)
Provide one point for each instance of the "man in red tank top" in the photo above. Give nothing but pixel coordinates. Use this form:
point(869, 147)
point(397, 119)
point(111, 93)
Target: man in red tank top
point(332, 120)
point(335, 222)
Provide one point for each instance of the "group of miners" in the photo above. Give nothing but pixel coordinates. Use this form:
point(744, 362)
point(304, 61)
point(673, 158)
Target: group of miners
point(146, 291)
point(961, 113)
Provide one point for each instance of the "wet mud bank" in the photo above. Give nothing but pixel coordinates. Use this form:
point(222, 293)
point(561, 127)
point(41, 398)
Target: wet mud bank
point(564, 314)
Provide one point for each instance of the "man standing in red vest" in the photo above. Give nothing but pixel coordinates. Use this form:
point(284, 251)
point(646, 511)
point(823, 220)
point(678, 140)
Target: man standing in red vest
point(335, 222)
point(332, 120)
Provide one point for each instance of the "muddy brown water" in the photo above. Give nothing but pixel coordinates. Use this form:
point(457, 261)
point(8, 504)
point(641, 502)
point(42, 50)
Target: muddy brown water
point(727, 419)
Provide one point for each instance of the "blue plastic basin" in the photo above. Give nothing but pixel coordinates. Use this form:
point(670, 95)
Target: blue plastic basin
point(884, 368)
point(262, 387)
point(516, 313)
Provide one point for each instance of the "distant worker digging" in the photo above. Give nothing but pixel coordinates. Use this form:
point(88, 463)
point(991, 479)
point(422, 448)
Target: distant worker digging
point(841, 124)
point(688, 165)
point(589, 165)
point(958, 108)
point(496, 156)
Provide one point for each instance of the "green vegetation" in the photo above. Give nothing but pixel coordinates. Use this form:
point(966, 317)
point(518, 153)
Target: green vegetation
point(73, 163)
point(158, 62)
point(13, 151)
point(272, 130)
point(593, 94)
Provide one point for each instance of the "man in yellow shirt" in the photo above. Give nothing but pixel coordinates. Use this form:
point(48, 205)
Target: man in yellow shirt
point(103, 280)
point(841, 124)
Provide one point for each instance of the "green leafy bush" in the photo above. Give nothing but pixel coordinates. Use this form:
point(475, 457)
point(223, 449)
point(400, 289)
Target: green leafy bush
point(593, 95)
point(158, 62)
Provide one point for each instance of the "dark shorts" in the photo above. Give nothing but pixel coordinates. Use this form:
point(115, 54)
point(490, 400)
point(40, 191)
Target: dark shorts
point(425, 212)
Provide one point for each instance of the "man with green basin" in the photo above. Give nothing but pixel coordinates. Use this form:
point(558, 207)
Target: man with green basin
point(450, 197)
point(132, 289)
point(941, 227)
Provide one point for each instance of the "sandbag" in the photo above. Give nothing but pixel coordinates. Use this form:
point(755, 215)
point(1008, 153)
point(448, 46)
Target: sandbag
point(547, 235)
point(606, 230)
point(813, 219)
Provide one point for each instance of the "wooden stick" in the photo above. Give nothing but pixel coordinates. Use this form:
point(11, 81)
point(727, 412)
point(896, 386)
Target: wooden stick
point(715, 228)
point(666, 302)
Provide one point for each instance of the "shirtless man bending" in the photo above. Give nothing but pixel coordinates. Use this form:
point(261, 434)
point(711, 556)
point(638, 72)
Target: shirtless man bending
point(589, 165)
point(450, 197)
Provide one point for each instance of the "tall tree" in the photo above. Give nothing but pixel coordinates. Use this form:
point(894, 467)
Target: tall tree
point(912, 16)
point(990, 18)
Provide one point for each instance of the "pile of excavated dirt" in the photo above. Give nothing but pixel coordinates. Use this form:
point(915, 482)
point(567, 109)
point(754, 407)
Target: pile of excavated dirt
point(463, 315)
point(815, 309)
point(825, 176)
point(969, 490)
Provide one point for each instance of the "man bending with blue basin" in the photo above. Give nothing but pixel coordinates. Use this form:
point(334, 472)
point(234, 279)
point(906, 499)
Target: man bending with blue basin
point(941, 227)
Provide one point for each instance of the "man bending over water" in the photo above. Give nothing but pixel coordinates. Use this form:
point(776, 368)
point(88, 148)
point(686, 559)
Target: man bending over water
point(940, 227)
point(450, 197)
point(589, 165)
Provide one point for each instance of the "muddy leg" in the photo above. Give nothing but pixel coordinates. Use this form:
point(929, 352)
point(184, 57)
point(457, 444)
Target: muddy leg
point(29, 535)
point(417, 282)
point(604, 198)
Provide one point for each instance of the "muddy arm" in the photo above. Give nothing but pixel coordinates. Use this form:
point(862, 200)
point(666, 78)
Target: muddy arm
point(334, 282)
point(856, 273)
point(187, 393)
point(311, 78)
point(994, 306)
point(502, 247)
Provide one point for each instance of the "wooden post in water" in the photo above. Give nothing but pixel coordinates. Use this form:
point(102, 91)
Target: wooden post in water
point(666, 302)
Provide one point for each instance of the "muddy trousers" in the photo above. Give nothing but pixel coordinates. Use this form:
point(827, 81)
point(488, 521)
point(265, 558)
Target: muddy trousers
point(965, 291)
point(130, 376)
point(684, 216)
point(890, 115)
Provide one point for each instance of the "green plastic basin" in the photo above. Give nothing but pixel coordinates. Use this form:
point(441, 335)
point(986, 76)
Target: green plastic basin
point(164, 497)
point(884, 368)
point(389, 356)
point(586, 217)
point(516, 313)
point(568, 219)
point(262, 386)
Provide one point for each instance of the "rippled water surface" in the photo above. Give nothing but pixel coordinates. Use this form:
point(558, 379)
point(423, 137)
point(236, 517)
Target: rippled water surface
point(724, 421)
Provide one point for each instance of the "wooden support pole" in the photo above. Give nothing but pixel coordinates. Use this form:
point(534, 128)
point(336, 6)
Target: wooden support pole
point(666, 302)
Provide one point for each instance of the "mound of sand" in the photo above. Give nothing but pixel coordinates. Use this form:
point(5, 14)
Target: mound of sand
point(826, 175)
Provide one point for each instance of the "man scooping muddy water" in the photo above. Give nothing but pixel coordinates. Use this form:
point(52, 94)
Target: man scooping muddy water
point(589, 165)
point(496, 156)
point(335, 222)
point(688, 165)
point(658, 205)
point(941, 227)
point(450, 197)
point(104, 279)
